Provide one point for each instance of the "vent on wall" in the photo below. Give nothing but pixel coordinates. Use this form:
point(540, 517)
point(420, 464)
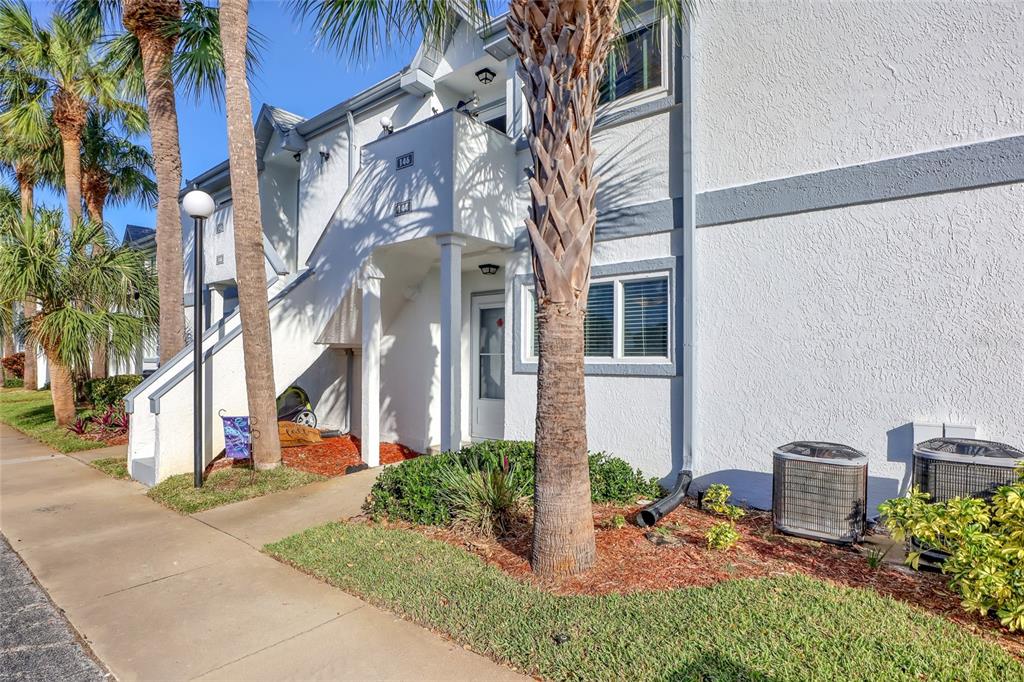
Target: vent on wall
point(220, 259)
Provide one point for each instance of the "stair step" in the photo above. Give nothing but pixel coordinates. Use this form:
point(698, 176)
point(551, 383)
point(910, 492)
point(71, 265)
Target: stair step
point(143, 470)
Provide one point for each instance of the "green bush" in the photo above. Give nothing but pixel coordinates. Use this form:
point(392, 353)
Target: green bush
point(111, 390)
point(14, 383)
point(416, 490)
point(984, 540)
point(484, 498)
point(722, 535)
point(716, 500)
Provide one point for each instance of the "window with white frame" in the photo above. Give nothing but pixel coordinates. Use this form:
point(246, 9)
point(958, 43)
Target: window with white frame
point(627, 319)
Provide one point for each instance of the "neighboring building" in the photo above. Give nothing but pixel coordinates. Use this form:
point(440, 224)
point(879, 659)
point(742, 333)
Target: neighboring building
point(810, 228)
point(146, 358)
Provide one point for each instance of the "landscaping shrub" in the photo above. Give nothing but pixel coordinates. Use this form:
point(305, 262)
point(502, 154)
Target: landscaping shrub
point(14, 364)
point(111, 390)
point(984, 540)
point(484, 497)
point(14, 383)
point(722, 535)
point(415, 490)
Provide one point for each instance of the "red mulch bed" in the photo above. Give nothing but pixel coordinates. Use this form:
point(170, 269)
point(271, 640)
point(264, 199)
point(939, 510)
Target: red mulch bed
point(628, 562)
point(330, 457)
point(105, 438)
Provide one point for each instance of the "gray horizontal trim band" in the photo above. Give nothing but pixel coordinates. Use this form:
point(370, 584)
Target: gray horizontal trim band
point(652, 217)
point(154, 400)
point(970, 166)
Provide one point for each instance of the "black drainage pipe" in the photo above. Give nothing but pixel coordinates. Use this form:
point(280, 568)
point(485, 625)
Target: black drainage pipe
point(651, 514)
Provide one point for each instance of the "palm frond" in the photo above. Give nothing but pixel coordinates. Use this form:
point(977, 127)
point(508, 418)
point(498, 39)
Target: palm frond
point(199, 55)
point(365, 28)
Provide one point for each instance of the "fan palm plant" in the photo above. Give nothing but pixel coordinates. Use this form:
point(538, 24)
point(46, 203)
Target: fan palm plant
point(248, 226)
point(31, 152)
point(75, 74)
point(85, 289)
point(563, 47)
point(169, 43)
point(115, 170)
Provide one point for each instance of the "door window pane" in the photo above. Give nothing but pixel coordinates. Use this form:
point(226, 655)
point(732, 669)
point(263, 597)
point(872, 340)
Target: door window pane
point(491, 353)
point(645, 318)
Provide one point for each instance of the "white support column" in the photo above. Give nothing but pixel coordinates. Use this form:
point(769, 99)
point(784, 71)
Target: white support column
point(216, 305)
point(451, 340)
point(371, 322)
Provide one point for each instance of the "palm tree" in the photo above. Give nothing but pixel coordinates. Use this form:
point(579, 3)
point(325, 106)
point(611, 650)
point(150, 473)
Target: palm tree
point(169, 42)
point(115, 170)
point(248, 232)
point(85, 289)
point(30, 149)
point(563, 46)
point(75, 75)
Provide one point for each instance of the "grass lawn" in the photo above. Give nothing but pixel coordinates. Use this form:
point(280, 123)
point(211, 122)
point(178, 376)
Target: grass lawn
point(116, 467)
point(31, 412)
point(787, 628)
point(226, 486)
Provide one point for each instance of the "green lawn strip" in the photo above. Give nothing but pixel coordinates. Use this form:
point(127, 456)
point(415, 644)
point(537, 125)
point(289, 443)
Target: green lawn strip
point(117, 467)
point(31, 412)
point(226, 486)
point(788, 628)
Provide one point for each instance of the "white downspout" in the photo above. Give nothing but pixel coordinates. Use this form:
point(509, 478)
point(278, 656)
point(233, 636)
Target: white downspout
point(688, 261)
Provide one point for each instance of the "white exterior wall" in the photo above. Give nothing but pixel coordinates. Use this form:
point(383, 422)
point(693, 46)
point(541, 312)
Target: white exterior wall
point(846, 325)
point(794, 86)
point(849, 324)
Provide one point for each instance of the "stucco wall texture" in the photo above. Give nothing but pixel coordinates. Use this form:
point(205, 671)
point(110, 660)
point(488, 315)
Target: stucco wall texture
point(846, 325)
point(790, 86)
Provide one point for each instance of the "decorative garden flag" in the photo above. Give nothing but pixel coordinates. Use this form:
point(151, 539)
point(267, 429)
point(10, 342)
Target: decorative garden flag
point(236, 438)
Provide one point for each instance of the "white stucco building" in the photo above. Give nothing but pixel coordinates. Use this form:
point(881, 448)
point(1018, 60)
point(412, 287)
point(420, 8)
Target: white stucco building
point(810, 228)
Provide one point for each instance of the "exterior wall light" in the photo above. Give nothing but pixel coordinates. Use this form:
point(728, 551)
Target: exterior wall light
point(387, 124)
point(485, 76)
point(489, 268)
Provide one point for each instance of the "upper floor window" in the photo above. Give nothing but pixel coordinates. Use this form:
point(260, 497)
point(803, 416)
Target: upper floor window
point(634, 65)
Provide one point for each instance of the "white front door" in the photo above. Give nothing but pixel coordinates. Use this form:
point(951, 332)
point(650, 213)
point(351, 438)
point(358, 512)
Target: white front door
point(488, 404)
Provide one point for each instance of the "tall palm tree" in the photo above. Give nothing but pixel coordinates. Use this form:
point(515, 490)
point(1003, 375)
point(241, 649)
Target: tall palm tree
point(563, 46)
point(115, 170)
point(248, 232)
point(9, 211)
point(169, 42)
point(85, 288)
point(30, 149)
point(76, 75)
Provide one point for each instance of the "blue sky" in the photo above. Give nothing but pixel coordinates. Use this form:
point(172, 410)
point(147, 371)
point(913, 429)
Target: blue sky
point(296, 76)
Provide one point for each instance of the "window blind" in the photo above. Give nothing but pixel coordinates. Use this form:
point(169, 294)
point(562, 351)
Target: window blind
point(645, 318)
point(599, 325)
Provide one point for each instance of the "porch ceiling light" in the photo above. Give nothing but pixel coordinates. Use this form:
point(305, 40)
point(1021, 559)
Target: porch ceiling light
point(485, 76)
point(198, 204)
point(387, 124)
point(489, 268)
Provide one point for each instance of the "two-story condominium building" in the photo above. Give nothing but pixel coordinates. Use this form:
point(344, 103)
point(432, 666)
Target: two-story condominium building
point(811, 227)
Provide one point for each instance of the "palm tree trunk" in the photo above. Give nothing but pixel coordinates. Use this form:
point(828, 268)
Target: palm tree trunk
point(146, 19)
point(248, 224)
point(562, 47)
point(62, 390)
point(69, 113)
point(563, 525)
point(27, 191)
point(94, 205)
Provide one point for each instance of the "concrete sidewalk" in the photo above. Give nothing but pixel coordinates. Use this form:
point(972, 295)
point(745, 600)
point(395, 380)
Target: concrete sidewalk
point(160, 596)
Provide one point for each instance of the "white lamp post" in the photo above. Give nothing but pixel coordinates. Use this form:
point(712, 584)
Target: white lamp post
point(200, 206)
